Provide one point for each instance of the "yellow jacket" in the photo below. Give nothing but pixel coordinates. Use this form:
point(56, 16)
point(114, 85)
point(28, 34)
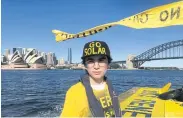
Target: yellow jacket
point(76, 102)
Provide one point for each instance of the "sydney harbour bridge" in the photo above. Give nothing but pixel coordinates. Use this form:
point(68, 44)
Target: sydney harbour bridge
point(169, 50)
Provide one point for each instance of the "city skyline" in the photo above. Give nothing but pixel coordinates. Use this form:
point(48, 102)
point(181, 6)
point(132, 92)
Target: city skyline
point(30, 24)
point(4, 53)
point(23, 51)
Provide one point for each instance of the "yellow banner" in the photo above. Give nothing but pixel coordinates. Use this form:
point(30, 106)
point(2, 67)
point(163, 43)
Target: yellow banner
point(62, 36)
point(162, 16)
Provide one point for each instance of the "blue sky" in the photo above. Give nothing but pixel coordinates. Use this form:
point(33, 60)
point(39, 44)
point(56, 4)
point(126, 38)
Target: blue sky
point(28, 23)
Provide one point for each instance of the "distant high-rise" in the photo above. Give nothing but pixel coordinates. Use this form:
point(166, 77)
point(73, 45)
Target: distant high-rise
point(61, 61)
point(54, 59)
point(56, 62)
point(20, 50)
point(49, 59)
point(3, 59)
point(24, 51)
point(69, 56)
point(14, 49)
point(44, 56)
point(7, 53)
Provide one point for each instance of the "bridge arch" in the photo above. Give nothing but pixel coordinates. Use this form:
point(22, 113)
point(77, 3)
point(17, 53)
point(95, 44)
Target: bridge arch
point(151, 53)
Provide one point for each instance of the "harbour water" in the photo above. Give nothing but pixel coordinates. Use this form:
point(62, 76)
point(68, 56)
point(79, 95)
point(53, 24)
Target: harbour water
point(41, 93)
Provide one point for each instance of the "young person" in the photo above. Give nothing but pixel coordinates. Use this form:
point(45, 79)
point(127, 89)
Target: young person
point(93, 95)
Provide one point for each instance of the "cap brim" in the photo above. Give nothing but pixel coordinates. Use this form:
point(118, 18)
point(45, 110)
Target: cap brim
point(83, 57)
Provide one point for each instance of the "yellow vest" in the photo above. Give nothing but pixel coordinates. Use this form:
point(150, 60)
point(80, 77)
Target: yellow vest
point(76, 102)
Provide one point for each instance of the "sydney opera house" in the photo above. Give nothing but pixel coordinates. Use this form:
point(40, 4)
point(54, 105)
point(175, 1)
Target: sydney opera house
point(30, 60)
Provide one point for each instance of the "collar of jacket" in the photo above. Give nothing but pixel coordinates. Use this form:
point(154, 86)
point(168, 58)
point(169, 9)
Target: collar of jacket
point(95, 106)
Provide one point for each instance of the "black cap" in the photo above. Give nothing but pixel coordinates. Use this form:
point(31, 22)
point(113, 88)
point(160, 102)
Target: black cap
point(96, 48)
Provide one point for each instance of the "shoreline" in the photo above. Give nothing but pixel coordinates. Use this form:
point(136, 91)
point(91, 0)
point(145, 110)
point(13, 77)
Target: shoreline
point(24, 69)
point(73, 69)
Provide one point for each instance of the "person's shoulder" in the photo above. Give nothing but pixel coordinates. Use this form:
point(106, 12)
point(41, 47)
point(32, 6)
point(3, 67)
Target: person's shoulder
point(77, 91)
point(76, 87)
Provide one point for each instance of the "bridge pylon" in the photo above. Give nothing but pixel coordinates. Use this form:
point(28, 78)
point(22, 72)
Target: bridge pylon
point(129, 63)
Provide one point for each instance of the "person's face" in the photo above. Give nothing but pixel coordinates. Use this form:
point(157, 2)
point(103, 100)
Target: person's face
point(96, 66)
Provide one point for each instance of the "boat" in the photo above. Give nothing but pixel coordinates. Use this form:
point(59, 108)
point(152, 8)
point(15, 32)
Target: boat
point(152, 102)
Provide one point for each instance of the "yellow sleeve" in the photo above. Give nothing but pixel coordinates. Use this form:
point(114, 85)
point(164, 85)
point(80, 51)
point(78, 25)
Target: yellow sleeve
point(69, 109)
